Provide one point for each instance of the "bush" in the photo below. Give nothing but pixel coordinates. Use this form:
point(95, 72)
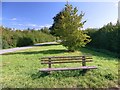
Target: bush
point(18, 38)
point(107, 37)
point(25, 41)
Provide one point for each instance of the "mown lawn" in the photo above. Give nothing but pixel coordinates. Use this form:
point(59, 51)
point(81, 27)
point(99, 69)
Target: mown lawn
point(21, 69)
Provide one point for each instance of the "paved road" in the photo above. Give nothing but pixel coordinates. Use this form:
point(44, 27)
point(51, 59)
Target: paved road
point(22, 48)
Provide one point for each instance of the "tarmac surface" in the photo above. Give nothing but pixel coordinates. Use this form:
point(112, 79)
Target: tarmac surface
point(22, 48)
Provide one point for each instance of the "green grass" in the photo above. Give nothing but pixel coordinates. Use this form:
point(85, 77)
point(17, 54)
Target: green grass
point(21, 69)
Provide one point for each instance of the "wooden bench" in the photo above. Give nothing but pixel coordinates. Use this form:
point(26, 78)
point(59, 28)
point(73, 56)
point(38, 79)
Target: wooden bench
point(66, 59)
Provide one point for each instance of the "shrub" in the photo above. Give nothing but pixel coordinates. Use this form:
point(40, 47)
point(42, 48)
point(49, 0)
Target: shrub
point(107, 37)
point(18, 38)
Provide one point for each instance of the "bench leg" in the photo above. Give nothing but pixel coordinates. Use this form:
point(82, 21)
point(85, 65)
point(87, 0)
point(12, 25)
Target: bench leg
point(84, 70)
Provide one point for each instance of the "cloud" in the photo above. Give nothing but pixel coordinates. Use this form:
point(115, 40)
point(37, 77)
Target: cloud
point(13, 19)
point(20, 24)
point(46, 25)
point(38, 26)
point(41, 26)
point(28, 25)
point(32, 25)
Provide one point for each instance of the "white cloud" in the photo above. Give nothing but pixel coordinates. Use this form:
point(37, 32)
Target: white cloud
point(32, 25)
point(35, 26)
point(41, 26)
point(46, 25)
point(38, 26)
point(28, 25)
point(20, 24)
point(13, 19)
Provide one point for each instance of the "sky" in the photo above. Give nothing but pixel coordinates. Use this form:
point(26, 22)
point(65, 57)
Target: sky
point(21, 15)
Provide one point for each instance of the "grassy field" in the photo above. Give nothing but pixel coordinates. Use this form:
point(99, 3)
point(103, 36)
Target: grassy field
point(21, 69)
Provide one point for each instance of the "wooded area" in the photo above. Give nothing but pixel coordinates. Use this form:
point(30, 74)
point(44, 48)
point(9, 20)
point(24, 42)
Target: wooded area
point(18, 38)
point(107, 37)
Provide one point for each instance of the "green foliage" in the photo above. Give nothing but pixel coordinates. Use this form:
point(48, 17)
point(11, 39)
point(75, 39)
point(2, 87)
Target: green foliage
point(67, 25)
point(21, 69)
point(45, 30)
point(24, 41)
point(107, 37)
point(18, 38)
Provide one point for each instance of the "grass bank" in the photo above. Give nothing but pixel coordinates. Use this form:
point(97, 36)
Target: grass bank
point(21, 69)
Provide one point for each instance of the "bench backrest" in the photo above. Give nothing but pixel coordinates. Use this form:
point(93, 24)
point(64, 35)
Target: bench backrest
point(65, 59)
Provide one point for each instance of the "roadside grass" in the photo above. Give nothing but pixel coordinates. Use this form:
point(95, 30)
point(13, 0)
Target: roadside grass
point(21, 69)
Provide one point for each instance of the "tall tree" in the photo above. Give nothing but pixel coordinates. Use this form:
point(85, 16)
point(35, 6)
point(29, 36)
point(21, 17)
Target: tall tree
point(67, 25)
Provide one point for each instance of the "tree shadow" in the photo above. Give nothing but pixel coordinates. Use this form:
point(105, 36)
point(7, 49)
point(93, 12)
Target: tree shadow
point(91, 52)
point(53, 51)
point(59, 74)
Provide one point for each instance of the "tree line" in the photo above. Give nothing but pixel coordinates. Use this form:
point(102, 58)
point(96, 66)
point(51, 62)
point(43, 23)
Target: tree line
point(107, 37)
point(18, 38)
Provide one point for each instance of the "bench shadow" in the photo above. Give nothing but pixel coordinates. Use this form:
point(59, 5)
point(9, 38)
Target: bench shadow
point(38, 75)
point(59, 74)
point(53, 51)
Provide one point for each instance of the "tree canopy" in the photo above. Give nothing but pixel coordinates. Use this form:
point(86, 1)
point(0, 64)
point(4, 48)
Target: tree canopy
point(107, 37)
point(67, 26)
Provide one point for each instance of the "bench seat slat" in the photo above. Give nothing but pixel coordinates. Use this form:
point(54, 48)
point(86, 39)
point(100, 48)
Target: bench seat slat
point(65, 62)
point(63, 69)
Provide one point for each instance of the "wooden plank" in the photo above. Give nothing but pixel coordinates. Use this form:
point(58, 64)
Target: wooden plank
point(53, 59)
point(65, 62)
point(62, 57)
point(65, 59)
point(63, 69)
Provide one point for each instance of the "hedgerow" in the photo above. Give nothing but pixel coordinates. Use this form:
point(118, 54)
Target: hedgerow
point(19, 38)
